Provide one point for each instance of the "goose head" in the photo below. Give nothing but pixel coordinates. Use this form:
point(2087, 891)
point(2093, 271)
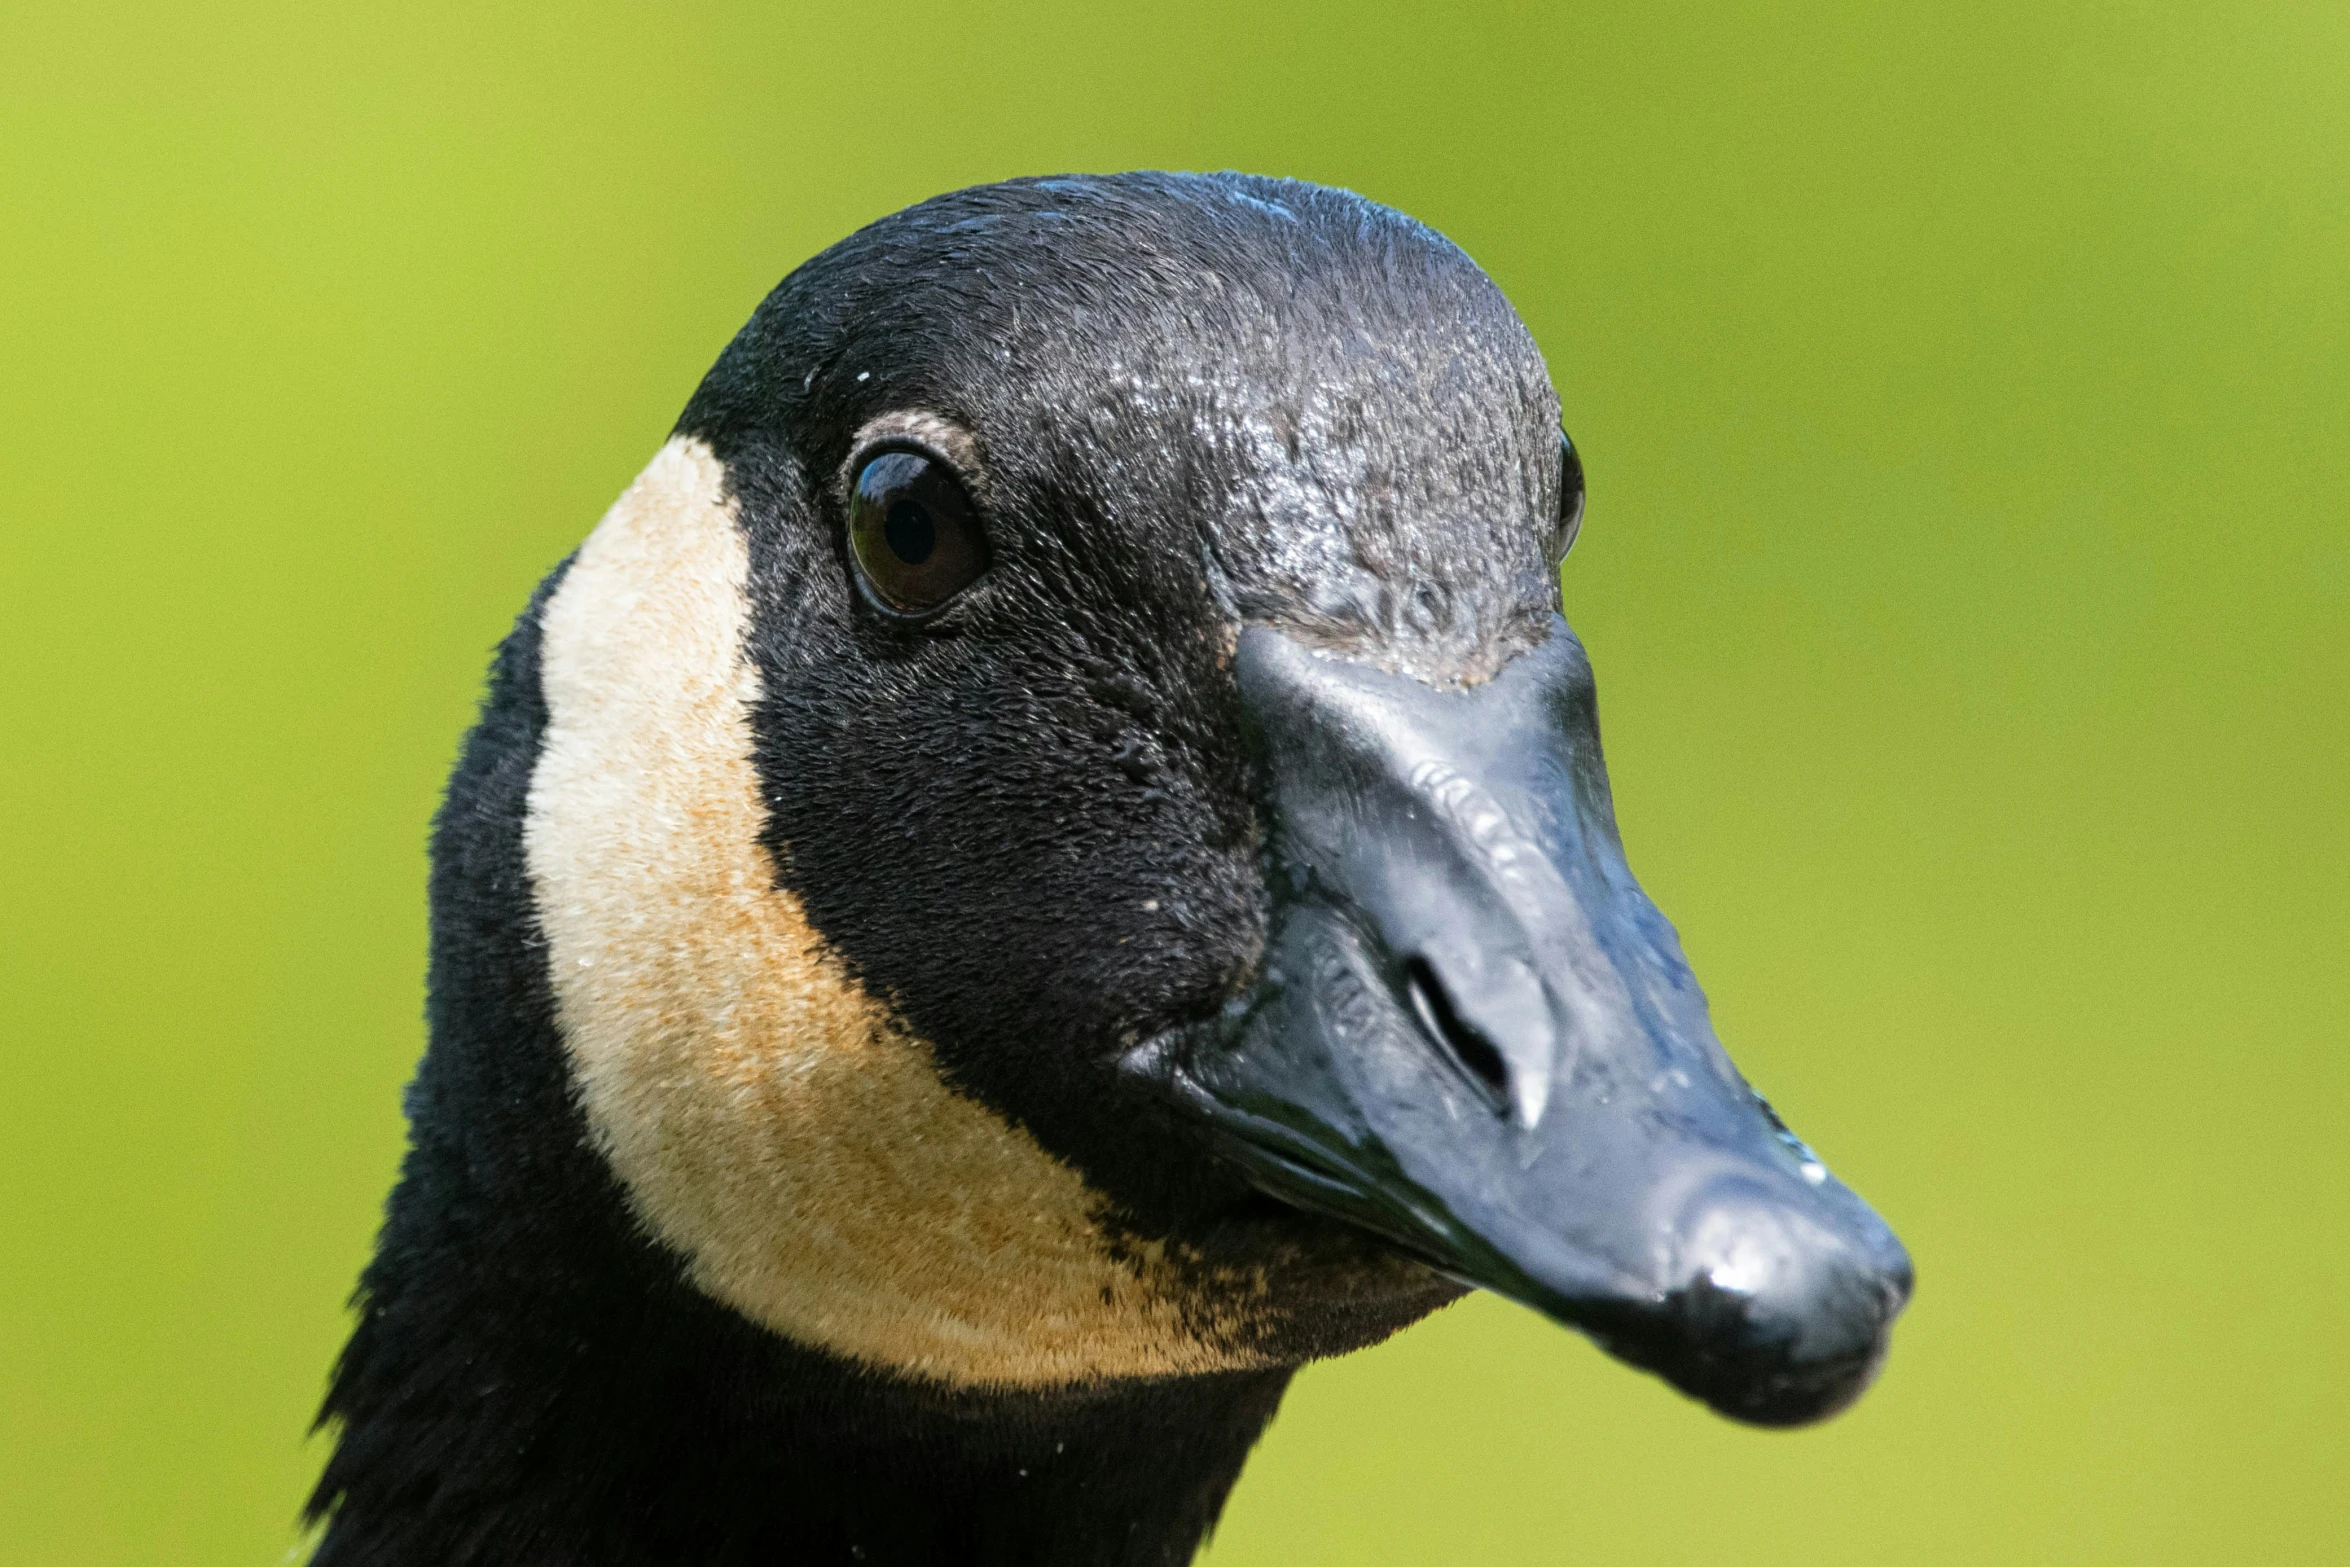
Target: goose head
point(1071, 841)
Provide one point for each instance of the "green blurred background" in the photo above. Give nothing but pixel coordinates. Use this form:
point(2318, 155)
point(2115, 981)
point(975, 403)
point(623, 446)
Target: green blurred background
point(1964, 394)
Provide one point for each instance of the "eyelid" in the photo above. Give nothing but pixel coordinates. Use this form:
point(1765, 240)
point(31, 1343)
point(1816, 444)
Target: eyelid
point(934, 436)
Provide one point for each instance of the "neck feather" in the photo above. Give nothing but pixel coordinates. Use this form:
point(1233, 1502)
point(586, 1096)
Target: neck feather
point(485, 1425)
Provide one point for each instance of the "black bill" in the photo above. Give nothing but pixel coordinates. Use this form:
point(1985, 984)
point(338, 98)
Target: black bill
point(1476, 1037)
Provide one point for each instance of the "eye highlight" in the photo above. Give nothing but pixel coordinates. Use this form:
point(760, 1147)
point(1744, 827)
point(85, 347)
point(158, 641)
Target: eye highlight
point(1570, 518)
point(912, 534)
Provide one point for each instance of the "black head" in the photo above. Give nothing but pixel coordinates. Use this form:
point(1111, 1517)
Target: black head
point(1073, 842)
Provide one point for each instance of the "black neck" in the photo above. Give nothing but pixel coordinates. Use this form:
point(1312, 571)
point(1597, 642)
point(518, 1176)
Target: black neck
point(678, 1434)
point(532, 1381)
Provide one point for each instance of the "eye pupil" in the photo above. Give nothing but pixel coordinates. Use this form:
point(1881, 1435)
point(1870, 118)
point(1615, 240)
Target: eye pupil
point(910, 532)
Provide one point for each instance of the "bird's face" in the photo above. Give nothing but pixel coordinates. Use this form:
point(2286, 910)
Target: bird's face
point(1073, 843)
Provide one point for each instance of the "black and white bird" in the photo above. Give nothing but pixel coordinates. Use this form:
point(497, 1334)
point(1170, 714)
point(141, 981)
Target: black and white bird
point(1047, 863)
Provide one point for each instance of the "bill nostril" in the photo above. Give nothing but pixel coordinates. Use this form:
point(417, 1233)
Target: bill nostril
point(1470, 1050)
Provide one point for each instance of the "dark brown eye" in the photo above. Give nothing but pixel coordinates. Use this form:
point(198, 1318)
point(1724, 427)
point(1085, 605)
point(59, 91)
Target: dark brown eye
point(911, 529)
point(1570, 520)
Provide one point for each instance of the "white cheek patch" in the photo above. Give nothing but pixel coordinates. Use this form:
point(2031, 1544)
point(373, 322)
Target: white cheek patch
point(771, 1121)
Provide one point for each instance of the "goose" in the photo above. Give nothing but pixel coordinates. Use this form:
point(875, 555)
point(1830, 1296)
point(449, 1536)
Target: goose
point(1047, 864)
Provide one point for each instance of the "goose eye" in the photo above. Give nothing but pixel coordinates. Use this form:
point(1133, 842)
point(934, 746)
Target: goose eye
point(911, 529)
point(1570, 520)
